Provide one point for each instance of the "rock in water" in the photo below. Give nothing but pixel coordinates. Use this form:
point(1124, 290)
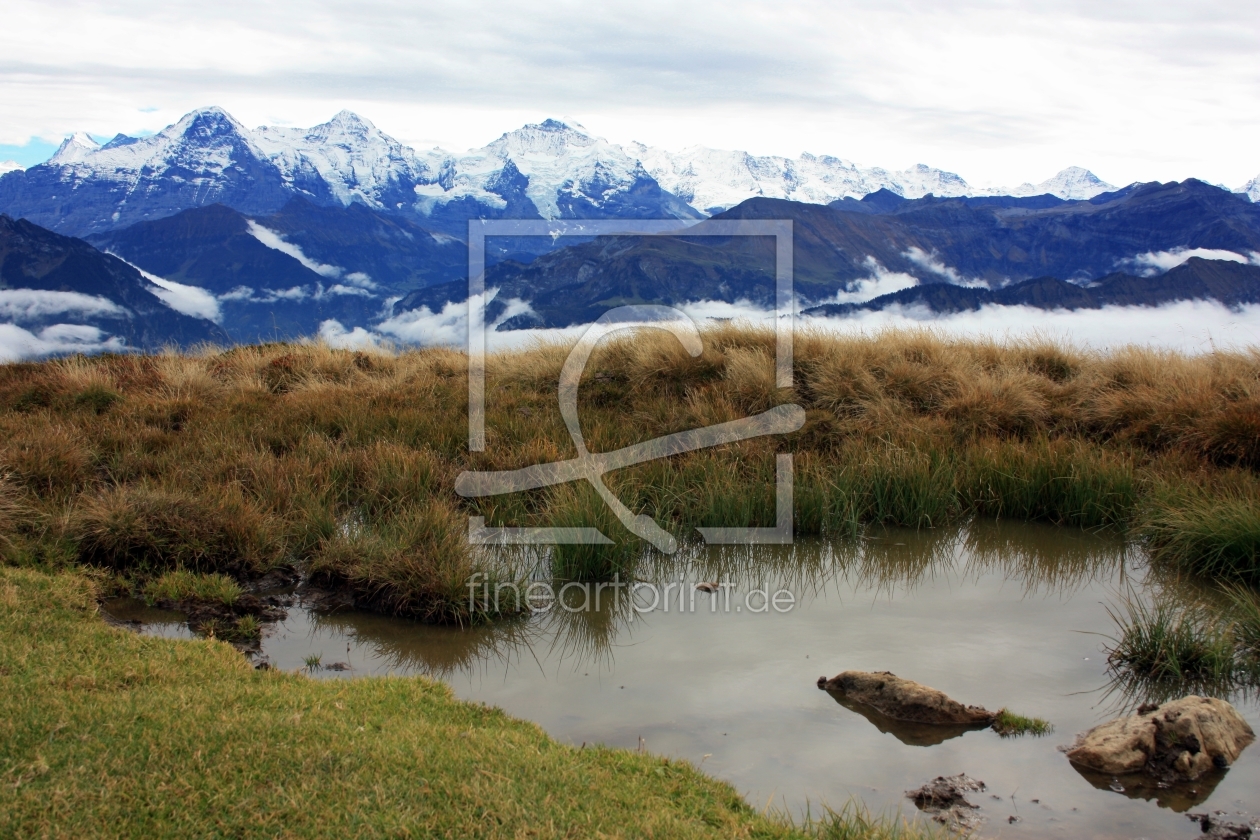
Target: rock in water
point(945, 798)
point(1178, 741)
point(905, 700)
point(1216, 827)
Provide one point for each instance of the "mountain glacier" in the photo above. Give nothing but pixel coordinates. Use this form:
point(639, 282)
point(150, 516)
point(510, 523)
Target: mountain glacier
point(555, 169)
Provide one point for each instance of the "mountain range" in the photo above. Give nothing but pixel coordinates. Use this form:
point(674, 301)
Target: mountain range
point(552, 170)
point(851, 252)
point(209, 231)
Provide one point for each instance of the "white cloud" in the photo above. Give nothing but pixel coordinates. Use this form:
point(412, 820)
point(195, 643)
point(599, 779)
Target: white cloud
point(881, 282)
point(274, 240)
point(36, 304)
point(931, 263)
point(292, 293)
point(239, 293)
point(511, 308)
point(1188, 326)
point(188, 300)
point(360, 278)
point(720, 310)
point(334, 334)
point(339, 289)
point(423, 326)
point(1157, 262)
point(17, 343)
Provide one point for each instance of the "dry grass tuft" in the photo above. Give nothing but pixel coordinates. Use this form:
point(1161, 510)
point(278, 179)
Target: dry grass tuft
point(148, 529)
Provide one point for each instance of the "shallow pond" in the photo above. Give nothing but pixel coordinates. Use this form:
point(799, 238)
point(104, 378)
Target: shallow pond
point(1000, 615)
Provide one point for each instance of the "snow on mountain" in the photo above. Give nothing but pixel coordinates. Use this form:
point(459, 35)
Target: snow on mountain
point(74, 149)
point(7, 166)
point(713, 180)
point(571, 173)
point(204, 158)
point(1073, 184)
point(203, 144)
point(555, 169)
point(1251, 189)
point(357, 161)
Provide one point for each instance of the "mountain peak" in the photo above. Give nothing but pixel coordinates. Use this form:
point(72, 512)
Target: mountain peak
point(550, 137)
point(350, 121)
point(1251, 189)
point(1074, 183)
point(7, 166)
point(74, 148)
point(204, 123)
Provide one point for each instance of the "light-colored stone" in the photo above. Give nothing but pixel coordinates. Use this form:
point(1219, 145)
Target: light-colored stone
point(1119, 746)
point(1180, 740)
point(902, 699)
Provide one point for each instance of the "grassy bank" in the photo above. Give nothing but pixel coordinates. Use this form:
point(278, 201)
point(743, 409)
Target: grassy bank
point(107, 733)
point(342, 464)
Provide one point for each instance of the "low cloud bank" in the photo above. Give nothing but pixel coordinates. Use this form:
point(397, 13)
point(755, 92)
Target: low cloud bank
point(20, 305)
point(1157, 262)
point(277, 242)
point(17, 343)
point(187, 300)
point(1187, 326)
point(933, 264)
point(881, 282)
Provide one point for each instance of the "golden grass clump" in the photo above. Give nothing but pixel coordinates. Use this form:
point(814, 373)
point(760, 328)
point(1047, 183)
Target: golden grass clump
point(416, 562)
point(149, 529)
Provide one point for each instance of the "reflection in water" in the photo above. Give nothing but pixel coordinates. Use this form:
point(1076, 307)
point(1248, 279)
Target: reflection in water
point(1061, 562)
point(1126, 690)
point(1178, 797)
point(437, 651)
point(911, 734)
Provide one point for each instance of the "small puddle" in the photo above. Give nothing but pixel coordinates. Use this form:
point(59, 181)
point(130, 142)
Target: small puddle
point(1010, 615)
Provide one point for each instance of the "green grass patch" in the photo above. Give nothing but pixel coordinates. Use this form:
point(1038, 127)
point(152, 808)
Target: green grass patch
point(1009, 725)
point(182, 586)
point(94, 720)
point(1173, 642)
point(1211, 531)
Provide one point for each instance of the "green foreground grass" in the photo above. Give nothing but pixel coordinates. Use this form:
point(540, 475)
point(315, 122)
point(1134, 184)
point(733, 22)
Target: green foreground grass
point(107, 733)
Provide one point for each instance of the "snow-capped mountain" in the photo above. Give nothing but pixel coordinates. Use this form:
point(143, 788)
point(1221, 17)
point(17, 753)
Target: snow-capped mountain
point(555, 169)
point(714, 180)
point(572, 174)
point(9, 166)
point(356, 161)
point(205, 158)
point(550, 170)
point(1073, 184)
point(1251, 189)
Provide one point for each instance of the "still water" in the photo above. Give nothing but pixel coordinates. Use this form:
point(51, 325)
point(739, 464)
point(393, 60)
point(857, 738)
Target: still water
point(999, 615)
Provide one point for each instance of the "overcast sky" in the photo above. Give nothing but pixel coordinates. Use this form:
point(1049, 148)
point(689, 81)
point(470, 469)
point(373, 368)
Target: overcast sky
point(1000, 92)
